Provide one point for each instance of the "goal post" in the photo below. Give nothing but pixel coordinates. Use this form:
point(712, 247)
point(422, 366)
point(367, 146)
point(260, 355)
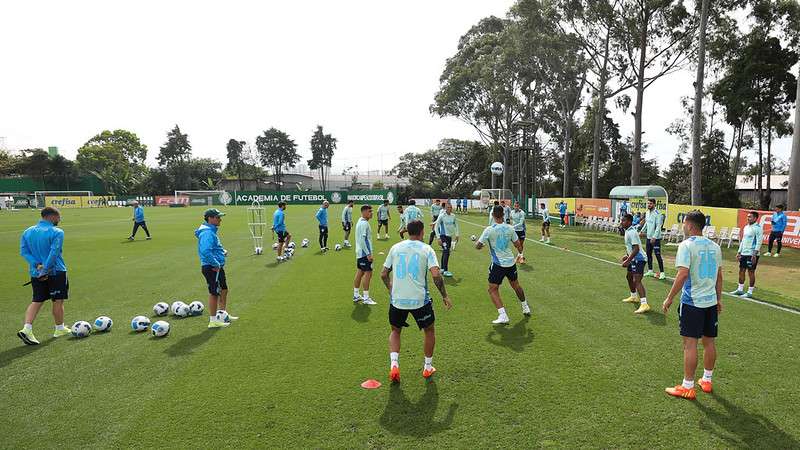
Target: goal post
point(203, 198)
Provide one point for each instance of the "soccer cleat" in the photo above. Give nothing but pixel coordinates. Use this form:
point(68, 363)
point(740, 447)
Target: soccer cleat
point(62, 332)
point(630, 299)
point(368, 301)
point(447, 273)
point(130, 238)
point(643, 308)
point(649, 273)
point(218, 324)
point(747, 295)
point(502, 319)
point(662, 276)
point(148, 238)
point(356, 298)
point(541, 240)
point(547, 241)
point(737, 292)
point(394, 374)
point(427, 374)
point(705, 385)
point(526, 309)
point(776, 255)
point(680, 391)
point(27, 337)
point(768, 254)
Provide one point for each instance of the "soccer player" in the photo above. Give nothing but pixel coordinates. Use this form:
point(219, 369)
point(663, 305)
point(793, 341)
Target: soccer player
point(653, 223)
point(322, 218)
point(363, 257)
point(446, 228)
point(518, 222)
point(436, 208)
point(402, 229)
point(491, 212)
point(347, 222)
point(212, 262)
point(499, 237)
point(634, 260)
point(138, 221)
point(699, 281)
point(41, 245)
point(413, 212)
point(506, 212)
point(383, 219)
point(279, 227)
point(545, 223)
point(562, 211)
point(749, 248)
point(778, 227)
point(409, 262)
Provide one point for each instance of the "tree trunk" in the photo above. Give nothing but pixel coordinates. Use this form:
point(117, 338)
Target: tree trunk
point(768, 195)
point(760, 184)
point(636, 158)
point(598, 120)
point(794, 159)
point(737, 161)
point(697, 197)
point(565, 190)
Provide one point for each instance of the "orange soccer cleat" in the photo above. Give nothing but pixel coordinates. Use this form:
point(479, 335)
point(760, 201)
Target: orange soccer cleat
point(680, 391)
point(705, 385)
point(394, 374)
point(428, 373)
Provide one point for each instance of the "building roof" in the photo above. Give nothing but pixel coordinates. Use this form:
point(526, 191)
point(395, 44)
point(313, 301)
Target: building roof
point(625, 192)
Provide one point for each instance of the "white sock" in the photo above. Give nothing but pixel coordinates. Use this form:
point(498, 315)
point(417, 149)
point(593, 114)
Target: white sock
point(524, 303)
point(643, 300)
point(688, 384)
point(60, 327)
point(741, 287)
point(366, 294)
point(212, 318)
point(28, 327)
point(501, 311)
point(428, 363)
point(394, 357)
point(750, 289)
point(355, 292)
point(634, 294)
point(707, 374)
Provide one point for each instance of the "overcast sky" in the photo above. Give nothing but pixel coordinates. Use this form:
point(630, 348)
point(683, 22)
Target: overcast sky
point(365, 70)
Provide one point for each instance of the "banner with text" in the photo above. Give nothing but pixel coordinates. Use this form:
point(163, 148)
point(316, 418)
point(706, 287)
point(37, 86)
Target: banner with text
point(314, 197)
point(716, 217)
point(597, 207)
point(76, 201)
point(791, 236)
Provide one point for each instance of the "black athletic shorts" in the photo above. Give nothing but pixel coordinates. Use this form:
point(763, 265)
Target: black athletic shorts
point(546, 224)
point(498, 272)
point(216, 280)
point(364, 264)
point(748, 262)
point(384, 222)
point(323, 229)
point(346, 226)
point(521, 234)
point(282, 235)
point(698, 322)
point(55, 287)
point(423, 315)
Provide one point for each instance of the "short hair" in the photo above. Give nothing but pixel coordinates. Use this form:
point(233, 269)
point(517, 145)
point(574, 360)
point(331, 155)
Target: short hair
point(386, 202)
point(365, 208)
point(496, 203)
point(651, 200)
point(498, 212)
point(349, 202)
point(50, 211)
point(281, 204)
point(753, 213)
point(439, 200)
point(697, 218)
point(415, 227)
point(781, 206)
point(412, 202)
point(627, 216)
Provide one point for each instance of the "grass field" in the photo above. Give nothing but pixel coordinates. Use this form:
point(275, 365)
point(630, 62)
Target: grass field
point(582, 372)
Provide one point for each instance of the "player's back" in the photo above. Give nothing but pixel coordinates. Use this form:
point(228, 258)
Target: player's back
point(410, 261)
point(702, 257)
point(499, 238)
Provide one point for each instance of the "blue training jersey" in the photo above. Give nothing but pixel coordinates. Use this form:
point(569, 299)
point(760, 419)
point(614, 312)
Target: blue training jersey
point(43, 244)
point(322, 217)
point(410, 262)
point(703, 258)
point(278, 220)
point(499, 238)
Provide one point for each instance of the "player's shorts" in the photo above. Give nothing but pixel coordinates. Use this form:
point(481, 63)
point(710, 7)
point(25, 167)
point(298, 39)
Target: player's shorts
point(346, 226)
point(216, 280)
point(423, 316)
point(563, 217)
point(698, 322)
point(323, 229)
point(521, 234)
point(748, 262)
point(637, 267)
point(55, 287)
point(546, 224)
point(498, 272)
point(363, 264)
point(282, 236)
point(384, 222)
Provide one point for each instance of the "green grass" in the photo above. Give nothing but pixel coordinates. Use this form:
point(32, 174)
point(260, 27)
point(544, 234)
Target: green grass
point(582, 372)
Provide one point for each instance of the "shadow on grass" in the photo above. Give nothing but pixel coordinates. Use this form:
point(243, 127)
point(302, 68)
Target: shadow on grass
point(740, 428)
point(452, 281)
point(525, 267)
point(657, 319)
point(8, 356)
point(272, 265)
point(515, 338)
point(415, 419)
point(361, 313)
point(187, 345)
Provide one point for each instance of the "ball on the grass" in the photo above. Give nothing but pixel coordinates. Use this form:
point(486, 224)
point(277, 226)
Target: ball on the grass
point(196, 308)
point(291, 245)
point(223, 316)
point(140, 323)
point(182, 310)
point(160, 328)
point(337, 247)
point(174, 308)
point(275, 246)
point(259, 250)
point(305, 243)
point(103, 323)
point(161, 308)
point(496, 168)
point(473, 238)
point(81, 329)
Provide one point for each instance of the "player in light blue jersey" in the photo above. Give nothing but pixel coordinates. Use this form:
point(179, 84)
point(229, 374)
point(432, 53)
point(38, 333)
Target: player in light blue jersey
point(653, 223)
point(748, 254)
point(412, 212)
point(138, 221)
point(279, 227)
point(447, 232)
point(436, 209)
point(518, 222)
point(634, 260)
point(562, 212)
point(402, 229)
point(322, 219)
point(364, 257)
point(545, 223)
point(409, 263)
point(383, 219)
point(500, 237)
point(699, 282)
point(347, 222)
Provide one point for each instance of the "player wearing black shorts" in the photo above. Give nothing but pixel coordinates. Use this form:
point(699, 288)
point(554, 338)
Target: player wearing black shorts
point(212, 266)
point(634, 261)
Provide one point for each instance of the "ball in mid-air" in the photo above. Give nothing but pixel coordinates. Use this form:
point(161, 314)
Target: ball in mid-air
point(196, 308)
point(160, 328)
point(259, 250)
point(337, 247)
point(223, 316)
point(473, 238)
point(81, 329)
point(140, 323)
point(496, 168)
point(103, 323)
point(161, 308)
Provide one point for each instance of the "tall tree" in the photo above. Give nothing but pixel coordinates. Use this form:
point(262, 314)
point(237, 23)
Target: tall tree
point(116, 158)
point(322, 148)
point(174, 155)
point(35, 163)
point(277, 150)
point(236, 163)
point(455, 168)
point(697, 194)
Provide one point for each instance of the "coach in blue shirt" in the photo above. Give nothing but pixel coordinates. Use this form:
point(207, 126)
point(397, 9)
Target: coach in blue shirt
point(322, 218)
point(778, 227)
point(138, 221)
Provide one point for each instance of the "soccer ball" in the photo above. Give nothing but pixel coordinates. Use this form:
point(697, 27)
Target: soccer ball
point(161, 309)
point(305, 243)
point(103, 323)
point(160, 328)
point(81, 329)
point(196, 308)
point(275, 246)
point(140, 323)
point(473, 238)
point(496, 168)
point(174, 308)
point(258, 250)
point(181, 310)
point(291, 245)
point(346, 243)
point(337, 247)
point(223, 316)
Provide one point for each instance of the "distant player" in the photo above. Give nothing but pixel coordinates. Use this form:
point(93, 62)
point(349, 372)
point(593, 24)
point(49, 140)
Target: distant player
point(212, 262)
point(491, 212)
point(402, 229)
point(436, 208)
point(412, 212)
point(653, 223)
point(322, 218)
point(562, 212)
point(699, 281)
point(518, 222)
point(778, 227)
point(749, 248)
point(138, 221)
point(446, 228)
point(634, 260)
point(383, 219)
point(545, 223)
point(499, 237)
point(41, 245)
point(409, 262)
point(347, 222)
point(506, 212)
point(637, 220)
point(363, 257)
point(279, 227)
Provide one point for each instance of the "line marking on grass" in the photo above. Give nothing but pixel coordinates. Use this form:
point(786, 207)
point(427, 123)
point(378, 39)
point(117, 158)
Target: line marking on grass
point(751, 300)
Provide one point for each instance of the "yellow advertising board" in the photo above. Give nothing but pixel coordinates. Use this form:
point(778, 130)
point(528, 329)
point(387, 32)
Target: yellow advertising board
point(552, 204)
point(75, 201)
point(717, 217)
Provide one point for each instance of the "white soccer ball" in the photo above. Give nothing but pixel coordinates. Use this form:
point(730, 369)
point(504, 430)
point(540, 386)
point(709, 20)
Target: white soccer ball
point(496, 168)
point(103, 323)
point(337, 247)
point(291, 245)
point(258, 250)
point(140, 323)
point(161, 308)
point(305, 243)
point(182, 310)
point(160, 328)
point(275, 246)
point(196, 308)
point(81, 329)
point(473, 238)
point(174, 308)
point(223, 316)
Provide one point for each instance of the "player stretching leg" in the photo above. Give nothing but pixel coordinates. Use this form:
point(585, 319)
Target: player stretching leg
point(436, 208)
point(749, 248)
point(322, 218)
point(383, 219)
point(363, 257)
point(41, 246)
point(653, 222)
point(778, 228)
point(446, 228)
point(212, 262)
point(634, 260)
point(545, 223)
point(518, 222)
point(347, 222)
point(279, 227)
point(138, 221)
point(699, 261)
point(499, 237)
point(409, 262)
point(402, 230)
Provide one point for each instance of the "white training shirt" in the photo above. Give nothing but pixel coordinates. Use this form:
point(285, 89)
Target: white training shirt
point(410, 262)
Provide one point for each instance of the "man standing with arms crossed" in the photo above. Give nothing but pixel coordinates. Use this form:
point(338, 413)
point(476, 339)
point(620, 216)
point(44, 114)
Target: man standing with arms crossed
point(363, 257)
point(347, 222)
point(518, 222)
point(699, 281)
point(138, 221)
point(322, 218)
point(383, 219)
point(446, 228)
point(436, 209)
point(778, 227)
point(409, 262)
point(653, 223)
point(41, 246)
point(279, 227)
point(634, 261)
point(212, 262)
point(749, 248)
